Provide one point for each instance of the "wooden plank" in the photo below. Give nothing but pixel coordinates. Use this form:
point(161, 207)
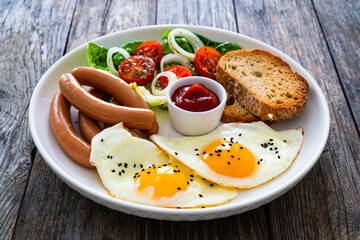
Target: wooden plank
point(33, 36)
point(340, 25)
point(326, 203)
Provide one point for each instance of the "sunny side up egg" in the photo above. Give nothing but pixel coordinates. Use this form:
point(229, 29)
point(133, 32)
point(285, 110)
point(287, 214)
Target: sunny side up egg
point(136, 170)
point(236, 154)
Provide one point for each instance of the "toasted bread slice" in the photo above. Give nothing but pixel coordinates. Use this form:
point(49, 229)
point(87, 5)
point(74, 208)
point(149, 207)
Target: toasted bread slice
point(234, 112)
point(263, 83)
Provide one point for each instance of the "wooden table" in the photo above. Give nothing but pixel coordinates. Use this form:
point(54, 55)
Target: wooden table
point(322, 35)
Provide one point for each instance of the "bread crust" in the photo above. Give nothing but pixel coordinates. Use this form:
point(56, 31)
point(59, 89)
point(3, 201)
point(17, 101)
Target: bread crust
point(247, 93)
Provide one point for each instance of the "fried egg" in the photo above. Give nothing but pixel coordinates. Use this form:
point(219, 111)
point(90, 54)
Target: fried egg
point(136, 170)
point(236, 154)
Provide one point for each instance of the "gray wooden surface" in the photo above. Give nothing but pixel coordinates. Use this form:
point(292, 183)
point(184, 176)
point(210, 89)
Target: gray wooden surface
point(322, 35)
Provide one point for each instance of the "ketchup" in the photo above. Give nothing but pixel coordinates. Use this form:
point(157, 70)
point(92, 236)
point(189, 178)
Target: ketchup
point(195, 98)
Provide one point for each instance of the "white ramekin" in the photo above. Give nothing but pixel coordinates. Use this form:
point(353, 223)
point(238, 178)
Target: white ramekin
point(196, 123)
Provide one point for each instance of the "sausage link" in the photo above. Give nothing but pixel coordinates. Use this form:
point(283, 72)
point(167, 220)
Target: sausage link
point(153, 130)
point(114, 86)
point(88, 126)
point(72, 144)
point(110, 84)
point(102, 111)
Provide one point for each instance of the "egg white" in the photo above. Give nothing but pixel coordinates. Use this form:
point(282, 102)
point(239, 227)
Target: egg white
point(115, 146)
point(251, 135)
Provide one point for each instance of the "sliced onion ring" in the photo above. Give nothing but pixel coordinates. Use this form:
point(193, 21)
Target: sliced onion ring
point(109, 60)
point(171, 77)
point(174, 57)
point(194, 41)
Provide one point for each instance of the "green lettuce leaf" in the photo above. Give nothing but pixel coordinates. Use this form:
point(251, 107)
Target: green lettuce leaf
point(151, 100)
point(225, 47)
point(96, 56)
point(130, 47)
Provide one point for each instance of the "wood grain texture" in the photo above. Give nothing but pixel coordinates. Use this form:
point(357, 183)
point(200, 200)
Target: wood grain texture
point(341, 27)
point(325, 204)
point(32, 38)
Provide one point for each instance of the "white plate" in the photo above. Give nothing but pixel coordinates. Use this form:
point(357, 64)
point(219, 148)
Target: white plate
point(314, 120)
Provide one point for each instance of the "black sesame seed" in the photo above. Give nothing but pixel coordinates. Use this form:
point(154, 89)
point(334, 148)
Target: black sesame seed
point(238, 158)
point(191, 175)
point(232, 156)
point(187, 182)
point(111, 157)
point(275, 148)
point(284, 140)
point(200, 195)
point(240, 135)
point(196, 149)
point(176, 153)
point(134, 165)
point(279, 157)
point(108, 156)
point(148, 172)
point(258, 162)
point(241, 148)
point(191, 180)
point(223, 145)
point(125, 165)
point(197, 154)
point(218, 154)
point(153, 165)
point(113, 170)
point(176, 165)
point(277, 152)
point(119, 164)
point(230, 144)
point(204, 152)
point(102, 140)
point(142, 170)
point(202, 207)
point(141, 166)
point(178, 188)
point(271, 140)
point(210, 154)
point(261, 160)
point(211, 184)
point(228, 150)
point(178, 207)
point(119, 173)
point(123, 171)
point(165, 165)
point(271, 149)
point(228, 163)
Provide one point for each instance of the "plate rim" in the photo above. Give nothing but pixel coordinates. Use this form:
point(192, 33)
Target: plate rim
point(171, 213)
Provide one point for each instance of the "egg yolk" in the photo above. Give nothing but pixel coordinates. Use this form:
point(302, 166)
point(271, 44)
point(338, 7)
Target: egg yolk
point(230, 159)
point(166, 180)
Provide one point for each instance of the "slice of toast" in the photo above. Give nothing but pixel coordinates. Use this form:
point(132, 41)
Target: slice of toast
point(263, 84)
point(234, 112)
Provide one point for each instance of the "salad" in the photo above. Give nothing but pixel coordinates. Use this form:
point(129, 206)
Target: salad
point(149, 66)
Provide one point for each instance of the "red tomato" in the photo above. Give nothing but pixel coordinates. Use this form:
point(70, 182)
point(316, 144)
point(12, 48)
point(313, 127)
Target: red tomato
point(139, 69)
point(206, 60)
point(151, 49)
point(180, 72)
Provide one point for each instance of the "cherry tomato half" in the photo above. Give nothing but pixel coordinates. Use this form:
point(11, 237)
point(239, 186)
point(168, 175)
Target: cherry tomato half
point(206, 60)
point(139, 69)
point(151, 49)
point(180, 72)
